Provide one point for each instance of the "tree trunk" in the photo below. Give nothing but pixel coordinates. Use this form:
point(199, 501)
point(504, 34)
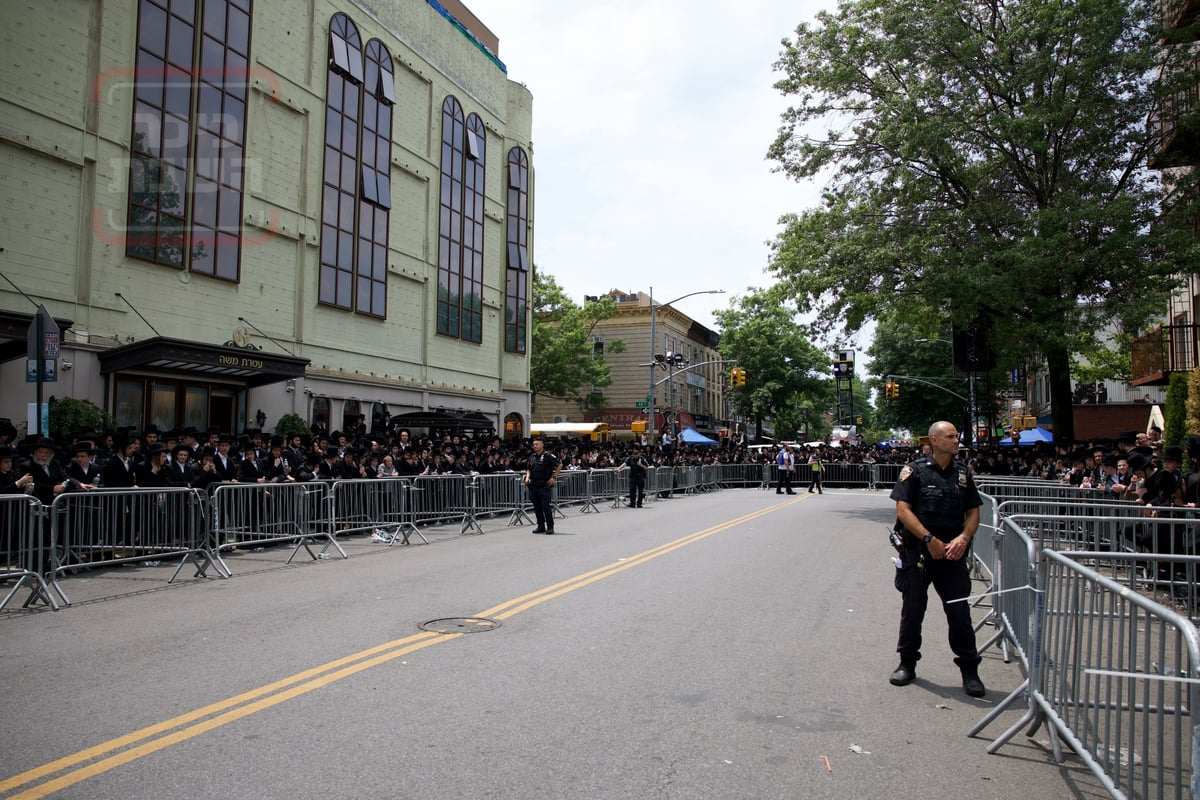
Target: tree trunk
point(1058, 364)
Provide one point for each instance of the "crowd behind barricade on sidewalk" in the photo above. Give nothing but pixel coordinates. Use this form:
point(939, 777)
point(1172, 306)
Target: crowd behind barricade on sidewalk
point(125, 458)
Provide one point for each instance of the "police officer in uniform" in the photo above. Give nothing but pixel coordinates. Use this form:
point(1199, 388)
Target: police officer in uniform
point(540, 474)
point(937, 506)
point(637, 467)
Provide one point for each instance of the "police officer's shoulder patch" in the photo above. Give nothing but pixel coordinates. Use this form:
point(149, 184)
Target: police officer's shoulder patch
point(905, 473)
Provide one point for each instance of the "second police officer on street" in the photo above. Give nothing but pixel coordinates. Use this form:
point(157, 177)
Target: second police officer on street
point(937, 510)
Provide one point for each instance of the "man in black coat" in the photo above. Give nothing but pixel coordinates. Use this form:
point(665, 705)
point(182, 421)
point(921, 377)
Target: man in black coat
point(224, 463)
point(49, 477)
point(82, 472)
point(181, 470)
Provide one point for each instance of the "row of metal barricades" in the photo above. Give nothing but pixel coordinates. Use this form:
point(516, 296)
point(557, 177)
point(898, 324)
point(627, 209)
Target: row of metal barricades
point(1096, 600)
point(40, 546)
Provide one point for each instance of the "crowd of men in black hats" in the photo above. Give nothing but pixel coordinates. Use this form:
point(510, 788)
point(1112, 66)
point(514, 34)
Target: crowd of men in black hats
point(1133, 466)
point(188, 457)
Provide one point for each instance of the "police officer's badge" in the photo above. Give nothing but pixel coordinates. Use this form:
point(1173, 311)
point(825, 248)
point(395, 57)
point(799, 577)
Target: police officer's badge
point(905, 472)
point(962, 477)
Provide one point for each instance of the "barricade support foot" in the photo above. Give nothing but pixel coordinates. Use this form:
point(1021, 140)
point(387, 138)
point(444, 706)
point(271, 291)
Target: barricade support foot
point(1000, 708)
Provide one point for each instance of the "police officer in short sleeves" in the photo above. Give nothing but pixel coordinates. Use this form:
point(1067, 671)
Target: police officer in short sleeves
point(541, 472)
point(938, 505)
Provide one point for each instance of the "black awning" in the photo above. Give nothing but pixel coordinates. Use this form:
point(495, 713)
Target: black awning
point(14, 330)
point(252, 367)
point(443, 419)
point(476, 420)
point(425, 419)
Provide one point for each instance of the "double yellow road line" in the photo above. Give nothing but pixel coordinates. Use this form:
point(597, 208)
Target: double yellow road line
point(122, 750)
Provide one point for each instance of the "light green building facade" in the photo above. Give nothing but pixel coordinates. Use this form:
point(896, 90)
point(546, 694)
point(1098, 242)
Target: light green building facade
point(190, 301)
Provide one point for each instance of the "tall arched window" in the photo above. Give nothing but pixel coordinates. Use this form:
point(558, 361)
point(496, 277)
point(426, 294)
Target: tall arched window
point(189, 129)
point(376, 197)
point(460, 224)
point(516, 293)
point(356, 191)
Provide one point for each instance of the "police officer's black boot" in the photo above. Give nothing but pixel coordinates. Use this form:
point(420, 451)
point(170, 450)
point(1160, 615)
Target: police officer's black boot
point(972, 685)
point(905, 674)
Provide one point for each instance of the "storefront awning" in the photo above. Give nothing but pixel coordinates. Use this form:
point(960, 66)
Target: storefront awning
point(252, 367)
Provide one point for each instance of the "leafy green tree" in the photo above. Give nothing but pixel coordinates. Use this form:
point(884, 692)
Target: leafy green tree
point(1095, 361)
point(987, 159)
point(902, 348)
point(70, 417)
point(787, 378)
point(292, 422)
point(1175, 421)
point(562, 362)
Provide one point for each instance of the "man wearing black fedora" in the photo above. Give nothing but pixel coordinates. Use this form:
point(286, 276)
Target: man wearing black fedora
point(49, 477)
point(180, 471)
point(11, 480)
point(153, 473)
point(82, 471)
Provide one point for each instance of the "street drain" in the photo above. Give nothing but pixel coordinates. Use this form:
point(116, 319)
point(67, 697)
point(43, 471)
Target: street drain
point(460, 625)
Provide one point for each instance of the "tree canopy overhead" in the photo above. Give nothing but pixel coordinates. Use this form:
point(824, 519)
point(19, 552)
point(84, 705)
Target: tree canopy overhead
point(987, 161)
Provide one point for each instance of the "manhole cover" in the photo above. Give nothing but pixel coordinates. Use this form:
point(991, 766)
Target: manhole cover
point(460, 625)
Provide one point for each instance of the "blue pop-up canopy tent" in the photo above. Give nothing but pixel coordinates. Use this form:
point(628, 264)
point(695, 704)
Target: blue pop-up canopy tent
point(1030, 437)
point(693, 436)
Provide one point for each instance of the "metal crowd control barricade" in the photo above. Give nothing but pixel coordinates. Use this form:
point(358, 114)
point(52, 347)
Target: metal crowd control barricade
point(687, 479)
point(843, 475)
point(505, 493)
point(1114, 675)
point(1010, 559)
point(378, 505)
point(24, 550)
point(440, 499)
point(884, 476)
point(113, 526)
point(658, 482)
point(607, 485)
point(738, 476)
point(257, 514)
point(1004, 487)
point(570, 488)
point(1157, 555)
point(1110, 527)
point(771, 475)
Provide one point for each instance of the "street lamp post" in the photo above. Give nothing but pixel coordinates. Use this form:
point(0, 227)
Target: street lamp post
point(653, 344)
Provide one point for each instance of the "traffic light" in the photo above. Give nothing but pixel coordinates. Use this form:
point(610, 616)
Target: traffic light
point(895, 389)
point(733, 376)
point(741, 377)
point(891, 389)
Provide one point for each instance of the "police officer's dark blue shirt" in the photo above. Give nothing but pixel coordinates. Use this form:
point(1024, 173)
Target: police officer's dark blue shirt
point(939, 497)
point(542, 467)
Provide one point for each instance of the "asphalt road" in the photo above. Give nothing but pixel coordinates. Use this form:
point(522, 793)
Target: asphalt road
point(723, 646)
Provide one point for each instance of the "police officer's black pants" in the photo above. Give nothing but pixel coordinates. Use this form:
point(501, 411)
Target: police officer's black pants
point(637, 491)
point(951, 580)
point(543, 511)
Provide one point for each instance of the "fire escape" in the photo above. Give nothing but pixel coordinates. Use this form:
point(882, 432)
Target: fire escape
point(1175, 132)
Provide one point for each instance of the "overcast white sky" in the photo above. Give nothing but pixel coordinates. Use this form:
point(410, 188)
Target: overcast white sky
point(652, 120)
